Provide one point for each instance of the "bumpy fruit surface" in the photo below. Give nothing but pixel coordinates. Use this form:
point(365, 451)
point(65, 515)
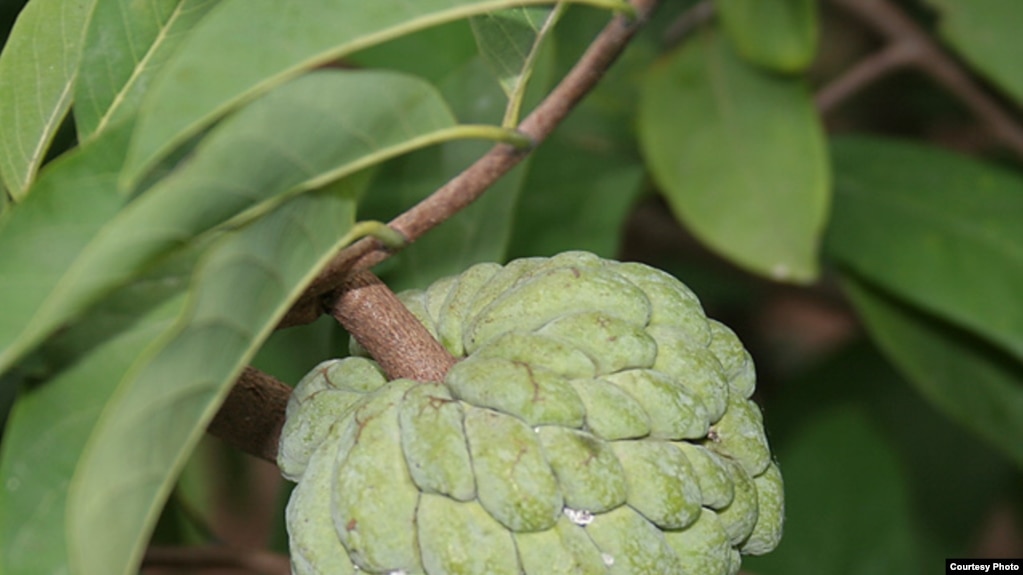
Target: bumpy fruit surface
point(597, 422)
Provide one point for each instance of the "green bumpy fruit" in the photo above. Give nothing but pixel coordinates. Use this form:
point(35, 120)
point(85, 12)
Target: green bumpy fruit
point(597, 422)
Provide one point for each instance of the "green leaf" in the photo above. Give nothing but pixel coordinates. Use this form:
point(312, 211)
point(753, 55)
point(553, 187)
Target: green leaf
point(247, 47)
point(740, 156)
point(509, 41)
point(937, 229)
point(986, 33)
point(37, 74)
point(43, 235)
point(574, 199)
point(126, 45)
point(245, 284)
point(846, 506)
point(5, 200)
point(301, 136)
point(438, 49)
point(970, 381)
point(780, 35)
point(52, 420)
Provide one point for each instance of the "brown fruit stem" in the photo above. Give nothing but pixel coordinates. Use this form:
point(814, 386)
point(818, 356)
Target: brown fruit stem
point(370, 311)
point(252, 415)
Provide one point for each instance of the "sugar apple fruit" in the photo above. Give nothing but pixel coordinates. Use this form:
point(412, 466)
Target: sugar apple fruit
point(597, 422)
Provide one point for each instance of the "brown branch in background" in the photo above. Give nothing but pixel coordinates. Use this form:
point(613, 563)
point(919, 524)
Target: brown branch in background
point(252, 415)
point(922, 52)
point(469, 185)
point(201, 558)
point(371, 312)
point(688, 22)
point(895, 56)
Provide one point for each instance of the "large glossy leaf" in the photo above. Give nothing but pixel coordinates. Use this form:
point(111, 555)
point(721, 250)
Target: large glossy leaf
point(780, 35)
point(246, 282)
point(510, 42)
point(986, 32)
point(37, 74)
point(574, 199)
point(247, 47)
point(41, 237)
point(937, 229)
point(740, 156)
point(320, 127)
point(126, 45)
point(52, 420)
point(970, 381)
point(847, 509)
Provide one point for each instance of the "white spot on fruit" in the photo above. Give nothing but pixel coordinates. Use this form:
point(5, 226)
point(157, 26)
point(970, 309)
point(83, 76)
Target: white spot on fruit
point(608, 559)
point(579, 517)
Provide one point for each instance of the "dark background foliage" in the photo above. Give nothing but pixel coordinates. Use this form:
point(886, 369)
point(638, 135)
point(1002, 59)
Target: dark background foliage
point(839, 181)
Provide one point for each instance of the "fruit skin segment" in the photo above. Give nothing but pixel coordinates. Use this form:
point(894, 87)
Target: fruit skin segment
point(565, 549)
point(671, 302)
point(460, 297)
point(434, 444)
point(588, 471)
point(315, 405)
point(631, 545)
point(539, 350)
point(611, 413)
point(552, 295)
point(612, 344)
point(674, 411)
point(771, 513)
point(463, 539)
point(736, 362)
point(712, 474)
point(740, 516)
point(373, 499)
point(739, 434)
point(693, 366)
point(535, 395)
point(703, 547)
point(596, 422)
point(663, 486)
point(315, 546)
point(515, 483)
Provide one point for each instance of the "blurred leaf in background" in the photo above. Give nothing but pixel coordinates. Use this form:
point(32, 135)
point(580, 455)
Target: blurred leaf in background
point(986, 32)
point(780, 36)
point(740, 156)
